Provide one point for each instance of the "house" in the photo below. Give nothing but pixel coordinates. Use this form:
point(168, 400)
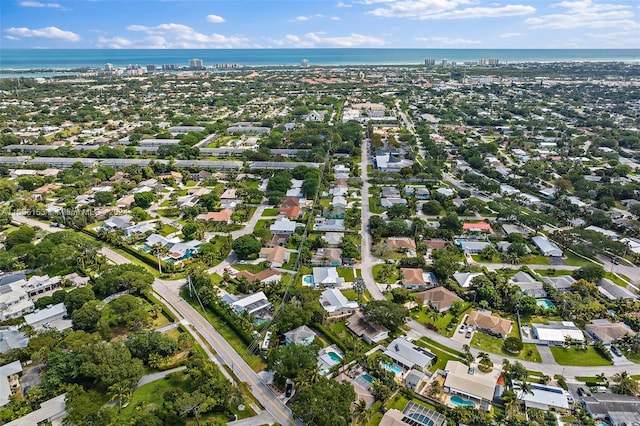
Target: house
point(561, 283)
point(255, 304)
point(223, 216)
point(9, 381)
point(283, 226)
point(544, 397)
point(414, 415)
point(607, 332)
point(333, 239)
point(422, 193)
point(264, 277)
point(181, 251)
point(401, 243)
point(290, 212)
point(12, 338)
point(436, 244)
point(332, 225)
point(139, 228)
point(464, 278)
point(52, 317)
point(386, 203)
point(612, 291)
point(483, 227)
point(302, 335)
point(489, 323)
point(340, 168)
point(439, 298)
point(75, 279)
point(412, 278)
point(445, 191)
point(14, 301)
point(276, 256)
point(367, 331)
point(117, 222)
point(327, 257)
point(336, 304)
point(290, 202)
point(413, 379)
point(316, 116)
point(409, 356)
point(546, 247)
point(40, 284)
point(616, 409)
point(389, 192)
point(556, 333)
point(125, 202)
point(510, 228)
point(529, 285)
point(471, 383)
point(326, 277)
point(472, 246)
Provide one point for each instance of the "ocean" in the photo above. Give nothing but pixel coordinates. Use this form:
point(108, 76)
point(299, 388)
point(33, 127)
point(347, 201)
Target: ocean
point(65, 59)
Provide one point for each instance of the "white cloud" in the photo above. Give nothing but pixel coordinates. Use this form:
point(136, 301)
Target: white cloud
point(307, 18)
point(341, 4)
point(40, 4)
point(53, 33)
point(511, 35)
point(336, 18)
point(178, 36)
point(215, 19)
point(319, 39)
point(435, 42)
point(587, 14)
point(447, 9)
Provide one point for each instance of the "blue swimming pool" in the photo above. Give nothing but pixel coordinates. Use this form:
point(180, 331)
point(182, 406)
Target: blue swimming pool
point(421, 418)
point(334, 356)
point(461, 402)
point(602, 424)
point(545, 303)
point(367, 377)
point(308, 279)
point(392, 367)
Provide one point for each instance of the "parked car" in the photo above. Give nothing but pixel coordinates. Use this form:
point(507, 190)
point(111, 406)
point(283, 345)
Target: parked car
point(581, 392)
point(288, 390)
point(616, 351)
point(468, 334)
point(462, 327)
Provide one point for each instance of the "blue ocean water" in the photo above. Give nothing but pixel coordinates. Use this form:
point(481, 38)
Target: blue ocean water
point(60, 59)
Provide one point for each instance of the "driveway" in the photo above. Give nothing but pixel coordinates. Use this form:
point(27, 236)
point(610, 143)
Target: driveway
point(556, 261)
point(546, 355)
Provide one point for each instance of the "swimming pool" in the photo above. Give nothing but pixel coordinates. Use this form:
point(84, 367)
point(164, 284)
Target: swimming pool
point(367, 377)
point(602, 424)
point(334, 356)
point(421, 418)
point(308, 279)
point(392, 367)
point(545, 303)
point(461, 402)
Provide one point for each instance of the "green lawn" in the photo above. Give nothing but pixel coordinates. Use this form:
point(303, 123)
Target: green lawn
point(270, 212)
point(619, 281)
point(533, 259)
point(166, 230)
point(441, 322)
point(573, 356)
point(488, 343)
point(575, 260)
point(390, 280)
point(442, 356)
point(399, 401)
point(374, 206)
point(346, 273)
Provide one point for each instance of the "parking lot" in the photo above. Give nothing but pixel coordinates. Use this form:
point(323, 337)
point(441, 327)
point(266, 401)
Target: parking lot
point(463, 334)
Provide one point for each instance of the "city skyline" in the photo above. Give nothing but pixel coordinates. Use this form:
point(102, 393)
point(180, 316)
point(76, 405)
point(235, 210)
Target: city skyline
point(113, 24)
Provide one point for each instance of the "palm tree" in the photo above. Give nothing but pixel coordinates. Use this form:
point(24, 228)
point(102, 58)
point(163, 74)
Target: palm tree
point(121, 392)
point(625, 384)
point(360, 413)
point(602, 378)
point(159, 250)
point(545, 379)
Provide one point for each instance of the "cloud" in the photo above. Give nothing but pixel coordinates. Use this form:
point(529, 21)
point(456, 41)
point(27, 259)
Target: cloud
point(319, 39)
point(336, 18)
point(176, 36)
point(53, 33)
point(308, 18)
point(40, 4)
point(446, 9)
point(616, 40)
point(341, 4)
point(435, 42)
point(586, 14)
point(511, 35)
point(215, 19)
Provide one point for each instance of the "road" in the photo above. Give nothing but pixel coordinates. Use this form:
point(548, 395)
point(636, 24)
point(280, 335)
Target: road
point(368, 260)
point(26, 220)
point(169, 291)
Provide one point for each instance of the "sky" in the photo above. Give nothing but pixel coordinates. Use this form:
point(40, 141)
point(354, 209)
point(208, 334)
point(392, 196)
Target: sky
point(182, 24)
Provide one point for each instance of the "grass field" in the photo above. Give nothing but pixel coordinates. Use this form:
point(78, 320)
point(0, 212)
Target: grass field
point(440, 321)
point(390, 280)
point(573, 356)
point(270, 212)
point(494, 345)
point(346, 273)
point(575, 260)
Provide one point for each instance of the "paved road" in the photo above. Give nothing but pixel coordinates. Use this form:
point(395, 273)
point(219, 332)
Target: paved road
point(368, 260)
point(26, 220)
point(169, 291)
point(157, 376)
point(113, 256)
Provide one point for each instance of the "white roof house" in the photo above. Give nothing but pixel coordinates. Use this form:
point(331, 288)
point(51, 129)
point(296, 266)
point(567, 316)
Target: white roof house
point(556, 333)
point(464, 278)
point(335, 303)
point(408, 355)
point(51, 317)
point(547, 247)
point(445, 191)
point(9, 381)
point(471, 382)
point(543, 397)
point(252, 304)
point(326, 277)
point(14, 301)
point(283, 226)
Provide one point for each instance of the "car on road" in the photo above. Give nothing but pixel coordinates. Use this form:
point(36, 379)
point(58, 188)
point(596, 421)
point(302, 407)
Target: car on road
point(468, 334)
point(581, 392)
point(616, 351)
point(462, 327)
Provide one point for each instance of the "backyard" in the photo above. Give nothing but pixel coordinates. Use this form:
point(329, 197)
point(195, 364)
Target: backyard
point(495, 345)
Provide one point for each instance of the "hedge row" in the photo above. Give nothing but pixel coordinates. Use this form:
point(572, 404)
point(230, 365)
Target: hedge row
point(332, 337)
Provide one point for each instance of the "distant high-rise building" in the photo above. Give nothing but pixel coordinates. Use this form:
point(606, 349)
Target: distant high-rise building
point(196, 64)
point(304, 63)
point(494, 61)
point(151, 67)
point(444, 63)
point(169, 67)
point(108, 67)
point(482, 62)
point(429, 62)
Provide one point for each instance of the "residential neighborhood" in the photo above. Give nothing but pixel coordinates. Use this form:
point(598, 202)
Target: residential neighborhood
point(413, 245)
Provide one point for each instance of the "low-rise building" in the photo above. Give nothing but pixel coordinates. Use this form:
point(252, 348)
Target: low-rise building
point(9, 381)
point(607, 332)
point(276, 256)
point(255, 304)
point(14, 301)
point(556, 333)
point(326, 277)
point(409, 356)
point(367, 331)
point(546, 247)
point(336, 304)
point(489, 323)
point(471, 383)
point(439, 298)
point(464, 278)
point(544, 397)
point(612, 291)
point(50, 411)
point(52, 317)
point(302, 335)
point(412, 278)
point(616, 409)
point(561, 283)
